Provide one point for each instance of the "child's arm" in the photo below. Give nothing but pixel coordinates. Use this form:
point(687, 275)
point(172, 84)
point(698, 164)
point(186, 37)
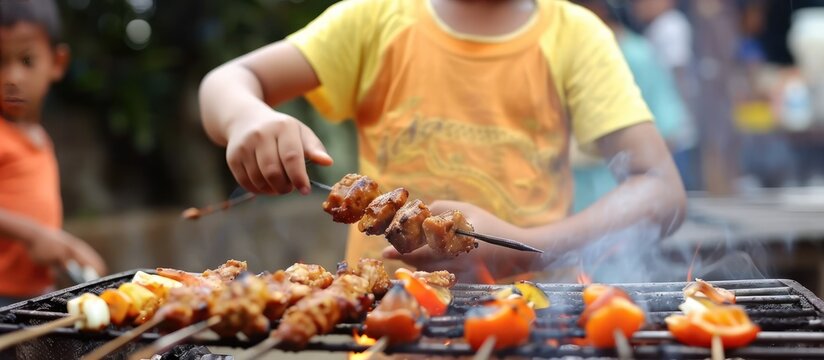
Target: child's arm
point(265, 149)
point(650, 194)
point(49, 246)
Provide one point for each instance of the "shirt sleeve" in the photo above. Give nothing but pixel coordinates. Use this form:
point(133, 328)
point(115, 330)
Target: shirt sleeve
point(601, 94)
point(333, 44)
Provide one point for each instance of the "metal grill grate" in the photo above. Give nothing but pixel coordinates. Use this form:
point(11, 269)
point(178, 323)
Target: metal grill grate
point(790, 315)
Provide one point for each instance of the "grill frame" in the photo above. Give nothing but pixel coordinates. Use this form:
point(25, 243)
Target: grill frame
point(773, 298)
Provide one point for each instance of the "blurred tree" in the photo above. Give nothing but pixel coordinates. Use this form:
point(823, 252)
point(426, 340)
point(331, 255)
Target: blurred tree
point(133, 86)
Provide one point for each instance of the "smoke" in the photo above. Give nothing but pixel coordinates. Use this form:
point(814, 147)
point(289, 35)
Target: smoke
point(705, 247)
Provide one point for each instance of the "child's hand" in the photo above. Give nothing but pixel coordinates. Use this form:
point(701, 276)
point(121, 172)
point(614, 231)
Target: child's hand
point(266, 152)
point(57, 247)
point(500, 262)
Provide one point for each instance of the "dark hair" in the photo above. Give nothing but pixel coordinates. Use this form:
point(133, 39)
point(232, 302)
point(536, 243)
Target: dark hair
point(39, 12)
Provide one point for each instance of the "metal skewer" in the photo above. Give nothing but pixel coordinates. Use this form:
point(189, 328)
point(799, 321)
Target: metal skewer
point(512, 244)
point(194, 213)
point(121, 340)
point(174, 338)
point(24, 335)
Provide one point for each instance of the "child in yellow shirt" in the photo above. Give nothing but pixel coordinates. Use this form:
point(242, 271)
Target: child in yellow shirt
point(470, 105)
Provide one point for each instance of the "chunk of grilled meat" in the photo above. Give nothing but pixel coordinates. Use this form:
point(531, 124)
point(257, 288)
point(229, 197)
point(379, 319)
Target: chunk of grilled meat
point(440, 278)
point(185, 306)
point(283, 293)
point(319, 312)
point(349, 198)
point(405, 232)
point(371, 269)
point(441, 233)
point(381, 211)
point(240, 307)
point(211, 278)
point(310, 274)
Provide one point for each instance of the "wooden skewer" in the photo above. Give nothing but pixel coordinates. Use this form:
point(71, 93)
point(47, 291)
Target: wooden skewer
point(622, 345)
point(717, 350)
point(33, 332)
point(377, 348)
point(261, 348)
point(485, 351)
point(164, 343)
point(121, 340)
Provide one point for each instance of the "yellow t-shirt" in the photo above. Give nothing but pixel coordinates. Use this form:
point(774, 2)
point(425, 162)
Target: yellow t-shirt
point(452, 116)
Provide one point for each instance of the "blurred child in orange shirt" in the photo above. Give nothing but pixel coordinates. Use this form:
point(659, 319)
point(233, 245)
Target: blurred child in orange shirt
point(31, 240)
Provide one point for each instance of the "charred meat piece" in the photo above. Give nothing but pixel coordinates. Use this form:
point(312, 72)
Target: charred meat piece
point(214, 279)
point(371, 269)
point(282, 293)
point(319, 312)
point(185, 306)
point(381, 211)
point(349, 198)
point(405, 232)
point(440, 278)
point(441, 233)
point(310, 274)
point(240, 307)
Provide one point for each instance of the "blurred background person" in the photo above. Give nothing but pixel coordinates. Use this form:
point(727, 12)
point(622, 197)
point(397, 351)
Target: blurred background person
point(32, 244)
point(670, 33)
point(593, 178)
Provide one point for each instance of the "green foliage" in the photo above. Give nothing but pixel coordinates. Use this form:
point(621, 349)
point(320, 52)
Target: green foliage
point(135, 90)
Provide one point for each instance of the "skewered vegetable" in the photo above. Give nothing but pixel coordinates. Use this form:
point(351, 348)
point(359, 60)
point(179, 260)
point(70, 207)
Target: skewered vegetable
point(704, 319)
point(433, 299)
point(508, 320)
point(398, 317)
point(608, 309)
point(119, 304)
point(94, 312)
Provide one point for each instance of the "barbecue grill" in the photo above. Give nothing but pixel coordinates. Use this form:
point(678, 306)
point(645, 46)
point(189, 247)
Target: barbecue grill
point(790, 317)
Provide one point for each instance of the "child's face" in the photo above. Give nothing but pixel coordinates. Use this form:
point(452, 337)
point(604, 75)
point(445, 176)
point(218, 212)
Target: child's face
point(29, 63)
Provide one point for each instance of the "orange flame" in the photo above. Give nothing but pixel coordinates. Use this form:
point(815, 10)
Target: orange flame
point(361, 340)
point(583, 278)
point(692, 262)
point(484, 276)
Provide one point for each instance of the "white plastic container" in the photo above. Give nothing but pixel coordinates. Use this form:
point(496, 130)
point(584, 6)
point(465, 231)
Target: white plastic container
point(806, 42)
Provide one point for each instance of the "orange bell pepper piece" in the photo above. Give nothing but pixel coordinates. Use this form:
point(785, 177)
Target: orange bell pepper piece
point(435, 300)
point(729, 322)
point(506, 320)
point(608, 309)
point(398, 317)
point(119, 304)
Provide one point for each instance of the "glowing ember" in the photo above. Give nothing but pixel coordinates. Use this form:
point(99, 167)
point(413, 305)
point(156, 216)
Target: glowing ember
point(484, 276)
point(361, 340)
